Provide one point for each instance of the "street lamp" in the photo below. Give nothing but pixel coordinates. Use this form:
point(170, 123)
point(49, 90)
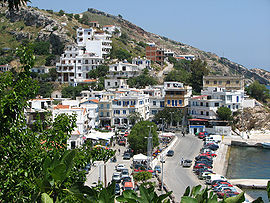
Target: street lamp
point(162, 162)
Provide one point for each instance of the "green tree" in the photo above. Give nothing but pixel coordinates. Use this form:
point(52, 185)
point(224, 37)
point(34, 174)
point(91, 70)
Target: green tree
point(138, 136)
point(61, 13)
point(142, 80)
point(198, 70)
point(73, 92)
point(170, 115)
point(224, 113)
point(77, 16)
point(50, 59)
point(178, 76)
point(134, 117)
point(142, 176)
point(15, 4)
point(45, 89)
point(100, 71)
point(258, 91)
point(41, 48)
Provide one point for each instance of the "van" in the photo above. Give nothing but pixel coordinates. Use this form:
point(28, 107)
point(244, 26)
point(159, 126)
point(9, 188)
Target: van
point(212, 177)
point(128, 186)
point(216, 138)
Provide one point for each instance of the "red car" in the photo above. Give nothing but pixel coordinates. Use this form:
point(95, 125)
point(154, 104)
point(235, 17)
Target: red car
point(201, 165)
point(208, 154)
point(222, 183)
point(228, 193)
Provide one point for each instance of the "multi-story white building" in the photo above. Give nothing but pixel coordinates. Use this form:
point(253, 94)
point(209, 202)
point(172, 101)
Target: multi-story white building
point(112, 29)
point(206, 105)
point(94, 41)
point(124, 69)
point(75, 65)
point(142, 63)
point(126, 102)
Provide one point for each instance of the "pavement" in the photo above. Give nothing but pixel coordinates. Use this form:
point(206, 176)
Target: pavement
point(167, 69)
point(177, 178)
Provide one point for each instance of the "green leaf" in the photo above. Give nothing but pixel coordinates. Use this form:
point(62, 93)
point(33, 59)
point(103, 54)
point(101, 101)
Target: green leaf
point(187, 191)
point(236, 199)
point(195, 190)
point(59, 173)
point(268, 190)
point(45, 198)
point(186, 199)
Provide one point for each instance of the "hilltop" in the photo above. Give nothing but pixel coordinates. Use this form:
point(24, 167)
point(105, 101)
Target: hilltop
point(59, 29)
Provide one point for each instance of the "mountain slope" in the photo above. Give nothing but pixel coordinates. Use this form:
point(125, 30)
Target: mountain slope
point(35, 24)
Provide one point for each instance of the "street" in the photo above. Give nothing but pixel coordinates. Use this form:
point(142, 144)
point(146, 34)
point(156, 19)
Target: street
point(176, 177)
point(93, 175)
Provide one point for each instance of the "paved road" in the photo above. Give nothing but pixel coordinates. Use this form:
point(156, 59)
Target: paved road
point(98, 170)
point(167, 69)
point(176, 177)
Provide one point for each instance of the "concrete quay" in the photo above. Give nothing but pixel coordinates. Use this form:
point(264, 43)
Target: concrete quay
point(250, 183)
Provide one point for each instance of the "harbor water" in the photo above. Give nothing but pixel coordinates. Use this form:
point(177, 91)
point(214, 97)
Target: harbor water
point(250, 163)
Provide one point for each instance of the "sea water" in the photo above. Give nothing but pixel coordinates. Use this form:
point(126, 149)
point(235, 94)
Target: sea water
point(250, 163)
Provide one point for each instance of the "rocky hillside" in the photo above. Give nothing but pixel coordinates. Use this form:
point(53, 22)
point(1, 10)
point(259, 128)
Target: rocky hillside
point(257, 118)
point(35, 24)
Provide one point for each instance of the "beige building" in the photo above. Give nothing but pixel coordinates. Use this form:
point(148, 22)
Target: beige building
point(228, 82)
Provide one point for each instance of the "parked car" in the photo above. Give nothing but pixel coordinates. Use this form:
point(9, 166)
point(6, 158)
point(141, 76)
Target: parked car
point(126, 179)
point(187, 163)
point(157, 168)
point(116, 177)
point(126, 156)
point(202, 165)
point(122, 142)
point(203, 175)
point(208, 154)
point(119, 167)
point(227, 193)
point(124, 173)
point(170, 153)
point(117, 189)
point(221, 187)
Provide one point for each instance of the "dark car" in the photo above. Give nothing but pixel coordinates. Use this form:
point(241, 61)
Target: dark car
point(187, 163)
point(157, 168)
point(126, 156)
point(197, 171)
point(125, 179)
point(122, 142)
point(117, 189)
point(170, 153)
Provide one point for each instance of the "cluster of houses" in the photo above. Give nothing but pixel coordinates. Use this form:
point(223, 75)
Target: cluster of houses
point(115, 105)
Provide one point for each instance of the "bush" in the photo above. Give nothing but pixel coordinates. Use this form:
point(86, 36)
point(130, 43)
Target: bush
point(224, 113)
point(41, 48)
point(61, 13)
point(77, 16)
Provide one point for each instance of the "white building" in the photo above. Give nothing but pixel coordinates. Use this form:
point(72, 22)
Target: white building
point(126, 102)
point(142, 63)
point(4, 68)
point(124, 69)
point(206, 105)
point(94, 41)
point(112, 83)
point(75, 65)
point(111, 29)
point(189, 57)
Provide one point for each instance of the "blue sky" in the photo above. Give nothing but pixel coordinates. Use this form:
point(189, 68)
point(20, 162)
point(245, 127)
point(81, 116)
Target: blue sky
point(236, 29)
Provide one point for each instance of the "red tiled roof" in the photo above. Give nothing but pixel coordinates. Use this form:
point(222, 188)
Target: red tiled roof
point(90, 80)
point(61, 107)
point(197, 119)
point(94, 100)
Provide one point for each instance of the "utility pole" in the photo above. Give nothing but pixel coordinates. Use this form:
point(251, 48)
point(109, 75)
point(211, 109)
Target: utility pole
point(149, 147)
point(171, 118)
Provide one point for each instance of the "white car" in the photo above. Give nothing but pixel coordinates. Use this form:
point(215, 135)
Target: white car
point(116, 177)
point(120, 167)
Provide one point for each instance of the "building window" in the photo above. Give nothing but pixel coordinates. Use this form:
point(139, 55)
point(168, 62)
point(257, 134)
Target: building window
point(124, 112)
point(172, 102)
point(154, 103)
point(237, 99)
point(175, 102)
point(101, 106)
point(109, 83)
point(228, 82)
point(168, 85)
point(162, 104)
point(207, 113)
point(216, 104)
point(201, 112)
point(101, 114)
point(154, 112)
point(207, 82)
point(108, 106)
point(115, 68)
point(115, 84)
point(168, 102)
point(207, 105)
point(201, 104)
point(124, 68)
point(108, 114)
point(215, 82)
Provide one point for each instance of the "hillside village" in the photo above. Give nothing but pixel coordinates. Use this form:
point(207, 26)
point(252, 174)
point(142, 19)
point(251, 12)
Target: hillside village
point(94, 108)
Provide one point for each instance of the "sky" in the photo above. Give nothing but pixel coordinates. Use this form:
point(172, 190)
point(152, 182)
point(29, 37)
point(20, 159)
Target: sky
point(236, 29)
